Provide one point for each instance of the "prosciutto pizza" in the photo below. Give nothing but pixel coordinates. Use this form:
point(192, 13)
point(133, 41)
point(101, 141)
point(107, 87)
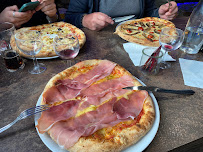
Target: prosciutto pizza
point(89, 110)
point(48, 32)
point(144, 31)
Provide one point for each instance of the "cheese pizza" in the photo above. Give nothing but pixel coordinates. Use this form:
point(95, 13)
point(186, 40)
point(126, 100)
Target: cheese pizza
point(89, 110)
point(144, 31)
point(48, 32)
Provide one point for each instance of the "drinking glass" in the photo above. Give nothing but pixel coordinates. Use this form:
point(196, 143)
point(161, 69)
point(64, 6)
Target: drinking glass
point(150, 61)
point(66, 46)
point(6, 31)
point(12, 59)
point(170, 39)
point(30, 43)
point(193, 40)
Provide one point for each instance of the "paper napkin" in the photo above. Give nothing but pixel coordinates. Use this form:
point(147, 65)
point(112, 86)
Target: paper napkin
point(192, 72)
point(135, 52)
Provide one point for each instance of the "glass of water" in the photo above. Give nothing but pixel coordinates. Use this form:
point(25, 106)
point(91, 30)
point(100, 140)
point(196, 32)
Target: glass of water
point(193, 40)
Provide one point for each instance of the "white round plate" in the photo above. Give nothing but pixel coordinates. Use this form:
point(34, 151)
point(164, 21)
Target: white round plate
point(138, 147)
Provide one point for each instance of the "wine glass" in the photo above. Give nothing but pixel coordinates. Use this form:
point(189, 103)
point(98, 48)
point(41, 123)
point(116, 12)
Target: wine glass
point(170, 39)
point(6, 31)
point(30, 43)
point(66, 46)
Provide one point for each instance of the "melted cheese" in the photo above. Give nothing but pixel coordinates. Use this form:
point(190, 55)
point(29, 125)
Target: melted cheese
point(88, 109)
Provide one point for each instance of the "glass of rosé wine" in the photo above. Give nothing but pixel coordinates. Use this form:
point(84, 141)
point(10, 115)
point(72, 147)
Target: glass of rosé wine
point(170, 39)
point(66, 46)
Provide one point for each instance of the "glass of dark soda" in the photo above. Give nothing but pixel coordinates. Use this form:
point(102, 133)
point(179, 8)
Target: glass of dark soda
point(12, 60)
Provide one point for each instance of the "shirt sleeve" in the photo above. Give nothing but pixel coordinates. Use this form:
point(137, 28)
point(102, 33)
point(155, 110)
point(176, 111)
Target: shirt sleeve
point(150, 9)
point(75, 12)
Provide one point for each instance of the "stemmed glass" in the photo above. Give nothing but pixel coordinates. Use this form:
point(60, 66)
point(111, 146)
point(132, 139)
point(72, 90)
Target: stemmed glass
point(170, 39)
point(29, 42)
point(66, 46)
point(6, 31)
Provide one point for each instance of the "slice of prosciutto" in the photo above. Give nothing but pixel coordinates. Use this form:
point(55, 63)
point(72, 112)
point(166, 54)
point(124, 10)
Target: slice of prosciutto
point(132, 107)
point(57, 113)
point(52, 95)
point(103, 69)
point(68, 88)
point(98, 93)
point(67, 133)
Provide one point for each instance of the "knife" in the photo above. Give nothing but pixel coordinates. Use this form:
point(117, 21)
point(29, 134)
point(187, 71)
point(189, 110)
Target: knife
point(156, 89)
point(123, 18)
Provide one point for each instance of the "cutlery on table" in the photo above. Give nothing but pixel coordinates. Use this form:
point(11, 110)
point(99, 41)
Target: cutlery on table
point(25, 114)
point(123, 18)
point(169, 4)
point(156, 89)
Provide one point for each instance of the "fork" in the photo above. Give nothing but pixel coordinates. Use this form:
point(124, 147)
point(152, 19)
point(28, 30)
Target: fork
point(25, 114)
point(169, 4)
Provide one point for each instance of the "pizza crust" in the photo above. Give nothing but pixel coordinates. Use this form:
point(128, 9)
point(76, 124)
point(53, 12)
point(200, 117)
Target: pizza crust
point(141, 39)
point(48, 50)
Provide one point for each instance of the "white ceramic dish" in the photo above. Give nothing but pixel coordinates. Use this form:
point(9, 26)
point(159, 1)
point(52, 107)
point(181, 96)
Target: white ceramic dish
point(138, 147)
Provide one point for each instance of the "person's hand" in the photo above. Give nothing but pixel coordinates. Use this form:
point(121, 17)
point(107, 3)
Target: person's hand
point(96, 21)
point(47, 6)
point(166, 13)
point(11, 14)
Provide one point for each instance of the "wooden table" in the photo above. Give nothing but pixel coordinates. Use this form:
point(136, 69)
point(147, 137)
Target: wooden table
point(181, 116)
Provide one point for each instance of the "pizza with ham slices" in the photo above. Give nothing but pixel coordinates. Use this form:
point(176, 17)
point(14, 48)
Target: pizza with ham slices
point(89, 110)
point(144, 31)
point(48, 32)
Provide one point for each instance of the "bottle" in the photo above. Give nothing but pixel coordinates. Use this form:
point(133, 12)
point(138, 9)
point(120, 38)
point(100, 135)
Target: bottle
point(194, 31)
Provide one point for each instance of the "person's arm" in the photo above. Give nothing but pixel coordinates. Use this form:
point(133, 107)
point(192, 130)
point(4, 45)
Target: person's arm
point(80, 13)
point(76, 11)
point(166, 13)
point(11, 14)
point(150, 9)
point(49, 8)
point(162, 12)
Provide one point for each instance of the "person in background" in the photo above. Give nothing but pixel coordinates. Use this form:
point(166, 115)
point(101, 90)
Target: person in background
point(44, 13)
point(97, 14)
